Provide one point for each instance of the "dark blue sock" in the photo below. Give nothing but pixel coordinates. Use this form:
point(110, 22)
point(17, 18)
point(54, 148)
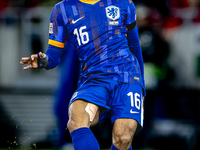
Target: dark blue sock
point(114, 148)
point(84, 139)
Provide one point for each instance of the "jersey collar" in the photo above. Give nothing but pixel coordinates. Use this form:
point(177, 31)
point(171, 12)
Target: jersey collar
point(92, 2)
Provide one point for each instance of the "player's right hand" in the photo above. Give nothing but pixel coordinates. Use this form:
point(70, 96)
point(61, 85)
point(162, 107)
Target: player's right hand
point(30, 60)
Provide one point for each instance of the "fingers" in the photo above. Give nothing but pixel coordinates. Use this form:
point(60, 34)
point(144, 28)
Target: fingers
point(30, 60)
point(41, 54)
point(26, 60)
point(33, 57)
point(28, 67)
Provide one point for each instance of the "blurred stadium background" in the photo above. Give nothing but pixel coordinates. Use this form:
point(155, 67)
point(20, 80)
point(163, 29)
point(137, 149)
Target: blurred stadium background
point(30, 116)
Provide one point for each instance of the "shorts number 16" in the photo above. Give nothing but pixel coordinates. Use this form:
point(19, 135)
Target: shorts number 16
point(135, 102)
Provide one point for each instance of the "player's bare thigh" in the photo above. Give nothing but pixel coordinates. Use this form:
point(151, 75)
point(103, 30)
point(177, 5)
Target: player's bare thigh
point(123, 132)
point(82, 114)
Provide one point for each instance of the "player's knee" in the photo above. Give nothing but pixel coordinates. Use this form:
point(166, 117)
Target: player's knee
point(71, 125)
point(122, 140)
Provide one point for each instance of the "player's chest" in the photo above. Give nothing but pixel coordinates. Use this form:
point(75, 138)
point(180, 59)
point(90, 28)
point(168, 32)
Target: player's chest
point(99, 16)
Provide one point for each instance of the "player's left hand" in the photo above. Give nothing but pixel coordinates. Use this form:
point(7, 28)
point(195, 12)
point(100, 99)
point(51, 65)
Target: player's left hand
point(31, 60)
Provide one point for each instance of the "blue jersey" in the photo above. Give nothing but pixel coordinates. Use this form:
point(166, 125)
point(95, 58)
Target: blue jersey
point(97, 29)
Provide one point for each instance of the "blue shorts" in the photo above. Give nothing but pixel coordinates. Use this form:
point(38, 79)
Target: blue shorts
point(122, 100)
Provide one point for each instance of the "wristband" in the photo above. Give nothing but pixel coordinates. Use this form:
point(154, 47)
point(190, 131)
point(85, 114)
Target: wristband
point(42, 61)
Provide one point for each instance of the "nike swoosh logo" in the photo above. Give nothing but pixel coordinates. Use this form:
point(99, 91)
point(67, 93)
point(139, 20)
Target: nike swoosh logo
point(76, 20)
point(133, 112)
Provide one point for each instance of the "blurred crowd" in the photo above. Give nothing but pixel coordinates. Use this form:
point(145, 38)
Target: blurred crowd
point(169, 32)
point(25, 3)
point(169, 36)
point(170, 39)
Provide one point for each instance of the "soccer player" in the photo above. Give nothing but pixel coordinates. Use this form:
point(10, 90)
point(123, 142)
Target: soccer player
point(105, 35)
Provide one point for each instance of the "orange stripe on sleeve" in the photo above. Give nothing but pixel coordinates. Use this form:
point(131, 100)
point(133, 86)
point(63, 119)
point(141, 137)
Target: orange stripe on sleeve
point(56, 43)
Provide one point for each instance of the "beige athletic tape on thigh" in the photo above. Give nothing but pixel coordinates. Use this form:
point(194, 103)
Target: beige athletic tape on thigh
point(91, 109)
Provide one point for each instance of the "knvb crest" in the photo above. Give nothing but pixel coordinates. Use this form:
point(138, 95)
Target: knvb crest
point(112, 12)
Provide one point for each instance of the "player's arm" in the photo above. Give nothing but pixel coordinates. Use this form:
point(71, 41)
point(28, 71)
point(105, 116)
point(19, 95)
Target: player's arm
point(135, 48)
point(57, 35)
point(133, 37)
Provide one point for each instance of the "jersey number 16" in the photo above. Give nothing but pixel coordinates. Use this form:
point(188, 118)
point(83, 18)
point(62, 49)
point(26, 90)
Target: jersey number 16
point(82, 36)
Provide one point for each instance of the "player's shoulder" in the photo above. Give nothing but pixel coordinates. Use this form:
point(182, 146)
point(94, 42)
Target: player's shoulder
point(66, 2)
point(124, 2)
point(60, 3)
